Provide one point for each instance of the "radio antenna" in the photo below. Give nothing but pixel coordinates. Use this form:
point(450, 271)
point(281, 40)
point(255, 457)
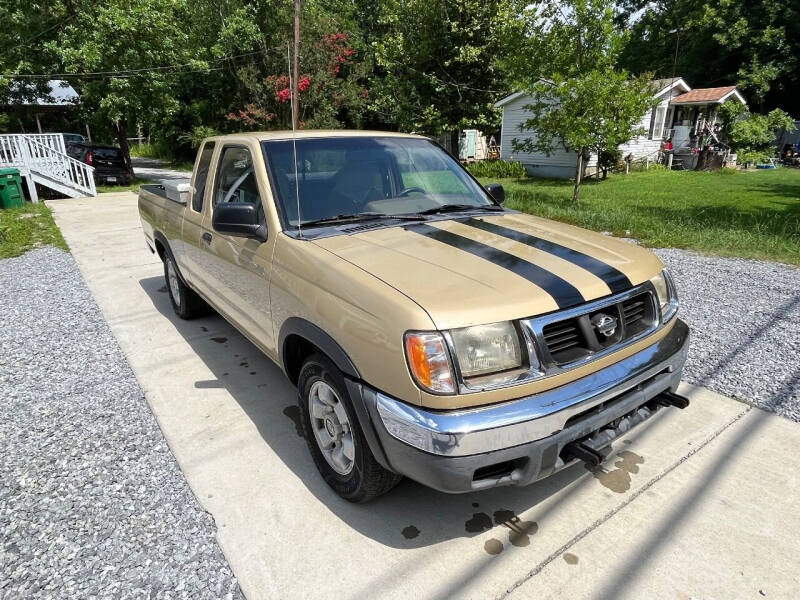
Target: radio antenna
point(294, 141)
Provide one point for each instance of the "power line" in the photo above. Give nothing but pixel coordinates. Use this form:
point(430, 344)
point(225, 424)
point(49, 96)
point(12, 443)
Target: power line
point(121, 73)
point(462, 86)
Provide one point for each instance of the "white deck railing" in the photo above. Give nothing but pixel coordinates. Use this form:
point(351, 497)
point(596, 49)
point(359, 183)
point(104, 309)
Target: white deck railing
point(44, 155)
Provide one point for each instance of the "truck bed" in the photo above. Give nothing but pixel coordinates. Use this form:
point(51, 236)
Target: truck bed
point(158, 212)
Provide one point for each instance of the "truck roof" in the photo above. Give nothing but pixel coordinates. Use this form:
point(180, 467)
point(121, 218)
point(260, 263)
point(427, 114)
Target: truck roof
point(313, 133)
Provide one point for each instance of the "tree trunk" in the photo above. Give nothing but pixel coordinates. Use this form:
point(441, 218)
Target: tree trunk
point(122, 139)
point(578, 176)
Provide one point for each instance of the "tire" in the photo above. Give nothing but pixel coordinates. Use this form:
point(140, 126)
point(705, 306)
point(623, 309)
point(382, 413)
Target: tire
point(365, 479)
point(185, 301)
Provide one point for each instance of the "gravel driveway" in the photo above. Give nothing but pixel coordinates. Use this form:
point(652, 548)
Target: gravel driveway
point(745, 321)
point(92, 502)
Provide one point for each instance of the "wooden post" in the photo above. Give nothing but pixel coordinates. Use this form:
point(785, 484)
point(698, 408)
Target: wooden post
point(38, 123)
point(669, 161)
point(296, 65)
point(88, 134)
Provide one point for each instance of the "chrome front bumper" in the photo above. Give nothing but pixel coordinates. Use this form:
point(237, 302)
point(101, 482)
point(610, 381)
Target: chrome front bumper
point(485, 429)
point(453, 450)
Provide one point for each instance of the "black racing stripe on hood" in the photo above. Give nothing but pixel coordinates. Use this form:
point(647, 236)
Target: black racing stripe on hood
point(615, 279)
point(564, 293)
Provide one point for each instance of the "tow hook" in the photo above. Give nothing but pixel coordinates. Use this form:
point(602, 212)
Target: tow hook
point(668, 398)
point(583, 452)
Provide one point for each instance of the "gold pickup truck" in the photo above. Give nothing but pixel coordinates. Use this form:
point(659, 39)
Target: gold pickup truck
point(431, 332)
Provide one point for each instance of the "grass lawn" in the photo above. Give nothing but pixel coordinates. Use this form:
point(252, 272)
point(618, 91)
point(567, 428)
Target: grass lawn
point(752, 214)
point(133, 186)
point(26, 228)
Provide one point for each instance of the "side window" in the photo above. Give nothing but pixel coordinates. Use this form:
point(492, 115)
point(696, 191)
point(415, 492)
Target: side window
point(202, 176)
point(236, 179)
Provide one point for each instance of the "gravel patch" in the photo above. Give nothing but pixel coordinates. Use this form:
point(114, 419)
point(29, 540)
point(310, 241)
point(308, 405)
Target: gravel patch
point(92, 502)
point(745, 321)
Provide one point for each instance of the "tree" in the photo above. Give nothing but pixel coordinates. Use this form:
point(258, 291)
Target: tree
point(26, 26)
point(755, 45)
point(751, 135)
point(438, 63)
point(130, 58)
point(586, 105)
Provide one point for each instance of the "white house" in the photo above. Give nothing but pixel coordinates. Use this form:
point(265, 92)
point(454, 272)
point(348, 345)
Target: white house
point(679, 112)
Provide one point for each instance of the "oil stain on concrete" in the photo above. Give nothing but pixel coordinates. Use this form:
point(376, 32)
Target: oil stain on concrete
point(493, 547)
point(293, 412)
point(519, 531)
point(163, 289)
point(479, 522)
point(570, 559)
point(219, 340)
point(619, 479)
point(410, 532)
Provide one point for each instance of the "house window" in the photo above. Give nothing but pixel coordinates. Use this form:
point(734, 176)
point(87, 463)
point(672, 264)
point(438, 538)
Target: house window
point(657, 122)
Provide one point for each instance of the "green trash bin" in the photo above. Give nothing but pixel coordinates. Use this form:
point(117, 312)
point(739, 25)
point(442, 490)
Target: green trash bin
point(11, 194)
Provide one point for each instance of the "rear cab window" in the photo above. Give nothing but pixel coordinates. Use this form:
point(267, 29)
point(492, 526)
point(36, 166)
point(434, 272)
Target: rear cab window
point(201, 176)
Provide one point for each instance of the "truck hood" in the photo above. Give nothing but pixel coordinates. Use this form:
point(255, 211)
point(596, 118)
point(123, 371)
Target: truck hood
point(472, 270)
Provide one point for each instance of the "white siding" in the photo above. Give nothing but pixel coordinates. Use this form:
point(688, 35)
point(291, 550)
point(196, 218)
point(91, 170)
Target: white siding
point(514, 114)
point(560, 159)
point(641, 146)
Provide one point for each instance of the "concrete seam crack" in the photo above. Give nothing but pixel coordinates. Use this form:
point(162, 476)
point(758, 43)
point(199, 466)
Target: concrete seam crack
point(597, 523)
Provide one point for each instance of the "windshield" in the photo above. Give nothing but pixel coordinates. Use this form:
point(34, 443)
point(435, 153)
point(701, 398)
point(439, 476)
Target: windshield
point(351, 175)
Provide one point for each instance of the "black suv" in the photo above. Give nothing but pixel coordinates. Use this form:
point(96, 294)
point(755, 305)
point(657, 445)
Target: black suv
point(108, 162)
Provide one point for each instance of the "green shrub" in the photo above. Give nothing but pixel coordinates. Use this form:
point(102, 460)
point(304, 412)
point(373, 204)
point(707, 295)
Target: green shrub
point(196, 136)
point(499, 169)
point(152, 150)
point(752, 156)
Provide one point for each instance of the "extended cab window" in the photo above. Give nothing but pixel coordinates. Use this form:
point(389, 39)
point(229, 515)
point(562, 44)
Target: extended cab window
point(202, 176)
point(236, 178)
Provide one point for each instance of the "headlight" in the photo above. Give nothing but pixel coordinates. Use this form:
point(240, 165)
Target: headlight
point(486, 349)
point(665, 291)
point(429, 362)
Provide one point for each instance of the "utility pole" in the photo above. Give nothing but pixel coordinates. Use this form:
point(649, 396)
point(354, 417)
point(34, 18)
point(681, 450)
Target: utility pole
point(296, 66)
point(677, 45)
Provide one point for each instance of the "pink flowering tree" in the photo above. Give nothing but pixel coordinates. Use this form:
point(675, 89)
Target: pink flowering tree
point(331, 86)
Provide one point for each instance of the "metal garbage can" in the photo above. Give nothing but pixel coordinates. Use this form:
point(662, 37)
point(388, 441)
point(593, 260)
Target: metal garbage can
point(11, 194)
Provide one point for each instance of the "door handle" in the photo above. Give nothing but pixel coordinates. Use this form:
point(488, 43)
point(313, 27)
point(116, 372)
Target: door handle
point(207, 237)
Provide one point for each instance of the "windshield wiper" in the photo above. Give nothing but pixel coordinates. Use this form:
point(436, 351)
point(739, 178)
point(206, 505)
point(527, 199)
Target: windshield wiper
point(364, 216)
point(446, 208)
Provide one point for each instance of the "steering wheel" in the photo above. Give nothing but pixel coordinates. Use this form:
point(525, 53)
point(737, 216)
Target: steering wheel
point(410, 190)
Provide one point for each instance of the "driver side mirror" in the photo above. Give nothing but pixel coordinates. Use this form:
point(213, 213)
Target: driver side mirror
point(496, 191)
point(239, 219)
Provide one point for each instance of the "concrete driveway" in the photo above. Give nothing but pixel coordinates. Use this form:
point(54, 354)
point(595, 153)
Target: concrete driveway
point(698, 503)
point(154, 169)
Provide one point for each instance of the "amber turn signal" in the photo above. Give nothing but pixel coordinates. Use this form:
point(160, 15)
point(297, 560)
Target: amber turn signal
point(429, 362)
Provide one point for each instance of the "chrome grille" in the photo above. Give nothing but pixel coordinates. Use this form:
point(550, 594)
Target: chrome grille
point(573, 336)
point(562, 335)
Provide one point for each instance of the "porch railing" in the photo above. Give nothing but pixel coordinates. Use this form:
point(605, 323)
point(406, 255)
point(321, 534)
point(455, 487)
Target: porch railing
point(40, 155)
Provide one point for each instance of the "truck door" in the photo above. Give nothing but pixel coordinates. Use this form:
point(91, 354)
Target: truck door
point(192, 229)
point(237, 269)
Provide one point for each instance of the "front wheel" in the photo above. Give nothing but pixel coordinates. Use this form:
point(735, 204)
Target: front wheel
point(334, 436)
